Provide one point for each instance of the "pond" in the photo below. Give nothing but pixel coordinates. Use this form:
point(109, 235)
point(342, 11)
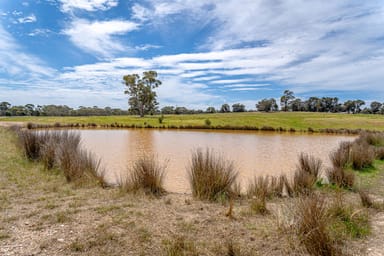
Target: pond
point(253, 153)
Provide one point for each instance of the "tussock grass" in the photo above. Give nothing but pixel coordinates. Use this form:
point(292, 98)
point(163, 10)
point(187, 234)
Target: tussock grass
point(312, 221)
point(179, 246)
point(366, 200)
point(259, 187)
point(146, 175)
point(61, 149)
point(362, 156)
point(340, 157)
point(345, 221)
point(211, 176)
point(341, 177)
point(306, 174)
point(372, 138)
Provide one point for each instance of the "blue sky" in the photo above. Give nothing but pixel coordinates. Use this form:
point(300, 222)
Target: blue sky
point(207, 53)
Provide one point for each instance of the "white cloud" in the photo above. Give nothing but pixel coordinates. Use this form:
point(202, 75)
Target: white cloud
point(88, 5)
point(28, 19)
point(14, 62)
point(99, 37)
point(40, 32)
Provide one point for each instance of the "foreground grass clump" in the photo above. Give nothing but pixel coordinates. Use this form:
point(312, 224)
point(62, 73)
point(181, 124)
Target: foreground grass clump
point(146, 175)
point(324, 225)
point(61, 149)
point(312, 221)
point(179, 246)
point(211, 176)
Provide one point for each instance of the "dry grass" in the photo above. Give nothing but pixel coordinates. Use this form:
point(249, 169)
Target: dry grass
point(146, 175)
point(312, 221)
point(340, 157)
point(341, 177)
point(179, 246)
point(306, 174)
point(362, 156)
point(61, 149)
point(211, 176)
point(366, 200)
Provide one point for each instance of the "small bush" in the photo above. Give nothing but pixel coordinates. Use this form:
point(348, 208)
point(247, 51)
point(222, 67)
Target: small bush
point(161, 119)
point(312, 220)
point(207, 122)
point(210, 175)
point(146, 175)
point(341, 177)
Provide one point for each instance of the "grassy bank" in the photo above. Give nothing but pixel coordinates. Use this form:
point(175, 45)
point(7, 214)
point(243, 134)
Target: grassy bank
point(42, 214)
point(298, 121)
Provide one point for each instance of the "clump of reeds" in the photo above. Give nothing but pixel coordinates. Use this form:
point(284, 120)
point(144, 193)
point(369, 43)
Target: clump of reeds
point(341, 177)
point(306, 174)
point(30, 143)
point(62, 149)
point(259, 187)
point(340, 157)
point(362, 156)
point(146, 175)
point(371, 138)
point(312, 221)
point(211, 176)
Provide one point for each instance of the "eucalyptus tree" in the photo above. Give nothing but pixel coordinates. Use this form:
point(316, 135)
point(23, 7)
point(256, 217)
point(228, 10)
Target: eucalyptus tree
point(141, 90)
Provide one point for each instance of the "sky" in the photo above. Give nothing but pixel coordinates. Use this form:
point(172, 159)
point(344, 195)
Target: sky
point(206, 52)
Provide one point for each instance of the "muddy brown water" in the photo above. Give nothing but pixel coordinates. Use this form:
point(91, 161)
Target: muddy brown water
point(253, 153)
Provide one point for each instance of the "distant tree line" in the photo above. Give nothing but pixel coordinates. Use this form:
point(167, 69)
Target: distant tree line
point(6, 109)
point(288, 102)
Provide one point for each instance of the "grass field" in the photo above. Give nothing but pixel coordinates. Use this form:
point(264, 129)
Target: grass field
point(298, 121)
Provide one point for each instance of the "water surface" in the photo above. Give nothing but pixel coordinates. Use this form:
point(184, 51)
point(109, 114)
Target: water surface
point(254, 153)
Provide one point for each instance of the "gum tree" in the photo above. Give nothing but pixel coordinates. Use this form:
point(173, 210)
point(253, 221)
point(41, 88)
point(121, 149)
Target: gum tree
point(142, 98)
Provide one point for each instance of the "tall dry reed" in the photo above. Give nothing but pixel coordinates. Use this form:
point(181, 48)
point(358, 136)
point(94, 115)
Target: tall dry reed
point(211, 175)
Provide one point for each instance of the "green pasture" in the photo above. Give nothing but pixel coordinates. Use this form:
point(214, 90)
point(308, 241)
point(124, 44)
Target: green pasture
point(300, 121)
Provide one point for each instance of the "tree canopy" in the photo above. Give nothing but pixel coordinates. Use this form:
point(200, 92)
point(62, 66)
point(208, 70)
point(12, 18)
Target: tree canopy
point(142, 98)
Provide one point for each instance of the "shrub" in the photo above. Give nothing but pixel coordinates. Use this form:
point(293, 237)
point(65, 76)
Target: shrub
point(312, 220)
point(207, 122)
point(210, 175)
point(146, 175)
point(341, 177)
point(161, 119)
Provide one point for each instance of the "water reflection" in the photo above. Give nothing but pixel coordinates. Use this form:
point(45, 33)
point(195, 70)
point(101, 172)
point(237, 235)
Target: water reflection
point(254, 153)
